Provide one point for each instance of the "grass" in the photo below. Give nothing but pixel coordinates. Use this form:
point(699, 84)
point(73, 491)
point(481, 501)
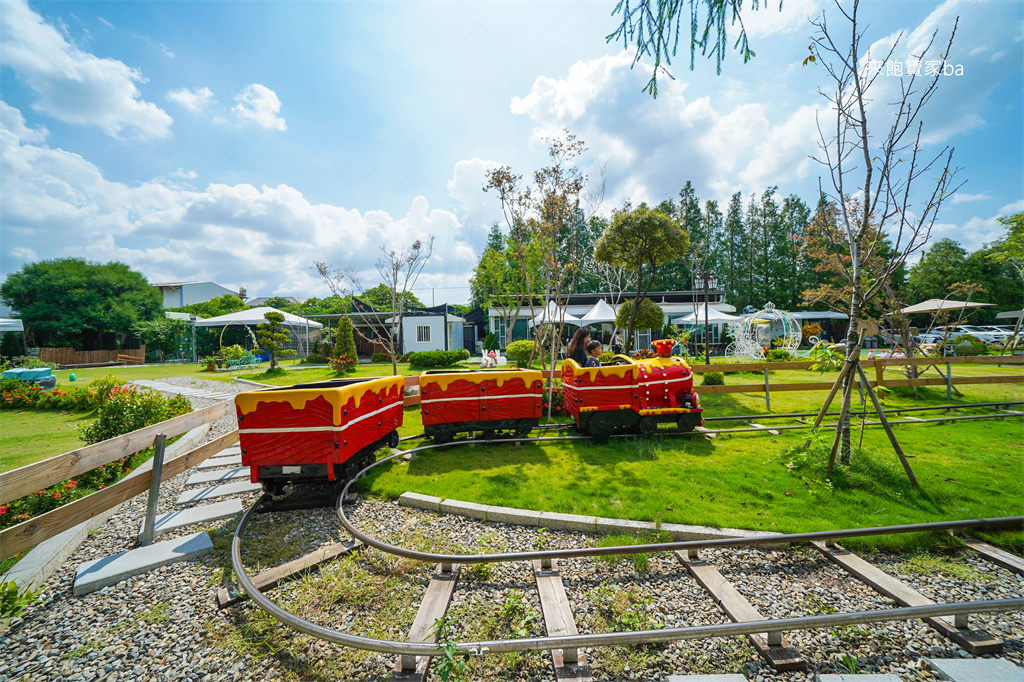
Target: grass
point(28, 436)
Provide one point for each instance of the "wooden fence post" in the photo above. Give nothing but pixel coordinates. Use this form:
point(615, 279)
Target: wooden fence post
point(767, 392)
point(149, 527)
point(949, 381)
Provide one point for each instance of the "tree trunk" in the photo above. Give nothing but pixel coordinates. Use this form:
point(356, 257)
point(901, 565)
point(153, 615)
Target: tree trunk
point(851, 344)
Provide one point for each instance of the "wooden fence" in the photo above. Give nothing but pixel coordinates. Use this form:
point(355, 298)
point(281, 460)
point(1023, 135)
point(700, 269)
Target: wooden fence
point(70, 356)
point(40, 475)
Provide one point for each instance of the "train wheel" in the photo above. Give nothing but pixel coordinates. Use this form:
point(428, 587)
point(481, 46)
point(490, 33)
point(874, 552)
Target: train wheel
point(393, 439)
point(600, 427)
point(443, 434)
point(523, 428)
point(488, 435)
point(687, 423)
point(274, 487)
point(647, 426)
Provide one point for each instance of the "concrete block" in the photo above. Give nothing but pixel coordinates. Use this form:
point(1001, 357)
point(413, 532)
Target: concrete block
point(518, 517)
point(470, 509)
point(573, 522)
point(974, 669)
point(624, 526)
point(706, 678)
point(229, 450)
point(213, 462)
point(206, 513)
point(883, 677)
point(99, 573)
point(418, 501)
point(201, 494)
point(216, 475)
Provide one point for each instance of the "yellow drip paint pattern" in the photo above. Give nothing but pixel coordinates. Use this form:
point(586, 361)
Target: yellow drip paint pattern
point(443, 381)
point(604, 371)
point(337, 398)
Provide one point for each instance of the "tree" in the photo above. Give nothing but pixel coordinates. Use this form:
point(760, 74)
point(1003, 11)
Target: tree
point(344, 339)
point(497, 283)
point(939, 267)
point(380, 298)
point(72, 302)
point(273, 337)
point(161, 334)
point(644, 315)
point(654, 26)
point(279, 302)
point(899, 187)
point(641, 240)
point(328, 305)
point(733, 254)
point(215, 307)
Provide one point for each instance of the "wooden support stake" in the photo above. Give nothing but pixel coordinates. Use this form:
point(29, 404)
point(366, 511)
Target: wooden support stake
point(977, 642)
point(436, 599)
point(570, 664)
point(773, 647)
point(888, 431)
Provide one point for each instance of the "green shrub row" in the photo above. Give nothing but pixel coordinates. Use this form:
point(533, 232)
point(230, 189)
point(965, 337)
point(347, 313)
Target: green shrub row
point(438, 358)
point(520, 351)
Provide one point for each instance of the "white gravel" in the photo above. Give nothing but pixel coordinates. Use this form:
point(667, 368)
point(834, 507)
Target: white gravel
point(165, 625)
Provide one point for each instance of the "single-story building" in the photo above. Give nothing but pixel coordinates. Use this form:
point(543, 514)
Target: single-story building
point(433, 328)
point(178, 294)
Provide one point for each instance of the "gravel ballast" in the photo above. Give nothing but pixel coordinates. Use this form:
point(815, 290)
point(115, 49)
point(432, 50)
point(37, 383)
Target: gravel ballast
point(165, 625)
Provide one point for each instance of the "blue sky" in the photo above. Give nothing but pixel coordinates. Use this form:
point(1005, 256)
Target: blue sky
point(239, 142)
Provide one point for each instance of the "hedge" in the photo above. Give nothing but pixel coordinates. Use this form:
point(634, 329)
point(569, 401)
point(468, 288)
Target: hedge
point(438, 358)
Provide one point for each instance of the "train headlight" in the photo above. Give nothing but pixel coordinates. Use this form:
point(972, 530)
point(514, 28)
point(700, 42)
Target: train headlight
point(694, 400)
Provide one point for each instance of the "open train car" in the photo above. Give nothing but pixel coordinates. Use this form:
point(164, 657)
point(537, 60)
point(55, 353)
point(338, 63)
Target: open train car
point(454, 401)
point(634, 394)
point(319, 431)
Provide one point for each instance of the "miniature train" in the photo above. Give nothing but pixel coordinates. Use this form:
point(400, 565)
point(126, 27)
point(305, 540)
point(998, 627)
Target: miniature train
point(329, 430)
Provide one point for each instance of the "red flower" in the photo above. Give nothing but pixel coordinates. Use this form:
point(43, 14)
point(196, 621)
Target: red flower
point(70, 485)
point(103, 486)
point(40, 492)
point(56, 496)
point(3, 509)
point(127, 470)
point(22, 516)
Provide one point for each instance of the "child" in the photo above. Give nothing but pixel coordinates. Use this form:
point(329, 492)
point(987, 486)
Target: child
point(594, 354)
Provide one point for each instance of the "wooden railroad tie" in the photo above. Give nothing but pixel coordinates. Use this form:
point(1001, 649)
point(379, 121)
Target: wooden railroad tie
point(436, 599)
point(570, 664)
point(997, 556)
point(773, 647)
point(762, 426)
point(977, 642)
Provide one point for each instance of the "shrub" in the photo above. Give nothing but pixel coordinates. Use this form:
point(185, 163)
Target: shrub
point(10, 346)
point(320, 354)
point(342, 364)
point(520, 351)
point(713, 379)
point(234, 352)
point(381, 356)
point(438, 358)
point(20, 395)
point(557, 402)
point(965, 346)
point(127, 410)
point(606, 356)
point(809, 330)
point(105, 385)
point(344, 339)
point(779, 355)
point(490, 342)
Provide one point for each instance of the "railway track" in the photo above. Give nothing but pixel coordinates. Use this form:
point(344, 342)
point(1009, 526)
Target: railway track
point(767, 635)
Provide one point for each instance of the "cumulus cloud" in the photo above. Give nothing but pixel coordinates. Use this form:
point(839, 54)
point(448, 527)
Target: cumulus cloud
point(12, 120)
point(58, 204)
point(259, 104)
point(962, 197)
point(194, 100)
point(72, 85)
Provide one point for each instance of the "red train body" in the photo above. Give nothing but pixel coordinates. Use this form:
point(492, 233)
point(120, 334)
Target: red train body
point(637, 394)
point(480, 400)
point(320, 431)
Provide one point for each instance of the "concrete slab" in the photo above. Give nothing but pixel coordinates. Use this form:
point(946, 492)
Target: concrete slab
point(519, 517)
point(201, 494)
point(229, 451)
point(99, 573)
point(418, 501)
point(859, 678)
point(706, 678)
point(974, 669)
point(216, 475)
point(470, 509)
point(626, 526)
point(573, 522)
point(206, 513)
point(213, 462)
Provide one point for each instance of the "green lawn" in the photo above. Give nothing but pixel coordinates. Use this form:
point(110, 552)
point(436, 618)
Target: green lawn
point(27, 436)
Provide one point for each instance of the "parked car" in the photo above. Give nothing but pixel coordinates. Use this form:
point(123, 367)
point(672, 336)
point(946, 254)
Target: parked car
point(986, 334)
point(939, 334)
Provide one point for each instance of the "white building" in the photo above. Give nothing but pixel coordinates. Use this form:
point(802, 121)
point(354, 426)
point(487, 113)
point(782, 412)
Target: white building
point(178, 294)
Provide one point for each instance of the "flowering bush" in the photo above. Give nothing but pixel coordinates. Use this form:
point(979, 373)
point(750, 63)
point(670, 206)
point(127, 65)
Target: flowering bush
point(343, 363)
point(643, 354)
point(126, 410)
point(17, 395)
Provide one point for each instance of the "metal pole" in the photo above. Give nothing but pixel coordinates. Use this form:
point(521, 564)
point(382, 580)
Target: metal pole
point(949, 381)
point(148, 529)
point(767, 392)
point(707, 339)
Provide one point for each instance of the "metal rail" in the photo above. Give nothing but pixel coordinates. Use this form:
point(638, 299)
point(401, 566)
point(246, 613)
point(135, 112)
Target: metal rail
point(894, 410)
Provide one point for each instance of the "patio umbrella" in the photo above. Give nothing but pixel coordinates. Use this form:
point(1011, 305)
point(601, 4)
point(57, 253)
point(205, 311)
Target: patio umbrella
point(935, 304)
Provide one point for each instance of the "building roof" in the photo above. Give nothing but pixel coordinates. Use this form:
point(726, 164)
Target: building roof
point(255, 316)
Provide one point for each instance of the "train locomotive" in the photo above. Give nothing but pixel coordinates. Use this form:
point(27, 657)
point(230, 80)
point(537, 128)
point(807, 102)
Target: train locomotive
point(327, 430)
point(632, 394)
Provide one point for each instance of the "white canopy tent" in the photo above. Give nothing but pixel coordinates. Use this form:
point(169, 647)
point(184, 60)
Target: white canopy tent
point(933, 305)
point(601, 312)
point(697, 316)
point(11, 324)
point(554, 315)
point(255, 316)
point(1010, 315)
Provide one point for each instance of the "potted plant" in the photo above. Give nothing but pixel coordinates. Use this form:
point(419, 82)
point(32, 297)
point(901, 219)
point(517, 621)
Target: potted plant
point(209, 361)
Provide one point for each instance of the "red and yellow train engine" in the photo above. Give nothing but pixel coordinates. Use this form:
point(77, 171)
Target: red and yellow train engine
point(633, 394)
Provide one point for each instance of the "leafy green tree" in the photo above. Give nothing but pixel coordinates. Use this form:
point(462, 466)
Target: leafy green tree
point(940, 266)
point(1011, 246)
point(215, 307)
point(793, 219)
point(380, 298)
point(10, 345)
point(642, 240)
point(279, 302)
point(732, 254)
point(328, 305)
point(345, 340)
point(162, 334)
point(273, 337)
point(646, 315)
point(72, 302)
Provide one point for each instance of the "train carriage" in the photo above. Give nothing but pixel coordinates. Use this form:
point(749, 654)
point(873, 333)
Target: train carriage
point(319, 431)
point(454, 401)
point(635, 394)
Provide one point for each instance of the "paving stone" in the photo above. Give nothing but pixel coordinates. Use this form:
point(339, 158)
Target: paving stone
point(206, 513)
point(213, 462)
point(706, 678)
point(876, 677)
point(204, 477)
point(99, 573)
point(975, 669)
point(216, 491)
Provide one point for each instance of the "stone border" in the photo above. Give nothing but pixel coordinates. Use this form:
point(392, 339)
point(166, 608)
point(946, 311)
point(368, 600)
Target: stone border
point(44, 559)
point(572, 522)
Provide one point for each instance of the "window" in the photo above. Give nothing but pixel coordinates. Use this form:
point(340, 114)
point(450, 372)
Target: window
point(422, 334)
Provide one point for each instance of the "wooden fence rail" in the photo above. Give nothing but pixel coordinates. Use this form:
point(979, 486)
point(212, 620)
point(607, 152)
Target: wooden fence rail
point(70, 356)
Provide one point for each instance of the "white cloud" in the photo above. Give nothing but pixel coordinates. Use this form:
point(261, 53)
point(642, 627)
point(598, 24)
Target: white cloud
point(193, 100)
point(259, 104)
point(57, 204)
point(12, 120)
point(75, 86)
point(962, 197)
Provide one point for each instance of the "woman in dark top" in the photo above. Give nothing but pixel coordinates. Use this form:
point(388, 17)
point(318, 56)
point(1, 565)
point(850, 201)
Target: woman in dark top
point(577, 349)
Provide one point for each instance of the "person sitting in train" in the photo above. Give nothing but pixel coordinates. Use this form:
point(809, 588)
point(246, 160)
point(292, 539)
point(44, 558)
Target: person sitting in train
point(593, 354)
point(577, 349)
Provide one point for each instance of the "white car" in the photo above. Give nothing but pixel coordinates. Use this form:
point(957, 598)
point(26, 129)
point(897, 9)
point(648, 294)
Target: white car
point(939, 334)
point(986, 334)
